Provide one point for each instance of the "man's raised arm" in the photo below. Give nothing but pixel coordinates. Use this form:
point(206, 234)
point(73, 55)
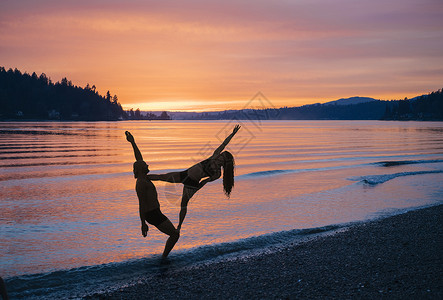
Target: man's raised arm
point(137, 153)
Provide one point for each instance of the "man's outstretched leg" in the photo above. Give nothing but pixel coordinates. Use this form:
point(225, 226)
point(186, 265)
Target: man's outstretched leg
point(168, 228)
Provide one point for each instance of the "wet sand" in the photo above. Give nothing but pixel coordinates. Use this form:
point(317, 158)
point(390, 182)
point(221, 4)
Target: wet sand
point(400, 257)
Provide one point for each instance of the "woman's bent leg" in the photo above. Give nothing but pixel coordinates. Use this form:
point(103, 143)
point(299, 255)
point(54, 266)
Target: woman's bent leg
point(187, 195)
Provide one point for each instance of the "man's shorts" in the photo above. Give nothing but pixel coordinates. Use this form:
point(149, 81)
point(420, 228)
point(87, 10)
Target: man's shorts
point(155, 217)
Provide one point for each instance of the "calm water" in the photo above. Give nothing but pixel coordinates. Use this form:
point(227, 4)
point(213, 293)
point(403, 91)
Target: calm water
point(67, 196)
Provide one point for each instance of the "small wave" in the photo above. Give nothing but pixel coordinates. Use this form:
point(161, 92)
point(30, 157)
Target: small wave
point(14, 158)
point(83, 281)
point(378, 179)
point(267, 173)
point(287, 171)
point(42, 132)
point(393, 163)
point(381, 163)
point(63, 163)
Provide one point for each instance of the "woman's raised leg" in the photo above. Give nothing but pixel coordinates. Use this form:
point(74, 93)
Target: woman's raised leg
point(172, 177)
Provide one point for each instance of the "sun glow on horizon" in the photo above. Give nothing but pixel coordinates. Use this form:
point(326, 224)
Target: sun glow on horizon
point(174, 105)
point(182, 105)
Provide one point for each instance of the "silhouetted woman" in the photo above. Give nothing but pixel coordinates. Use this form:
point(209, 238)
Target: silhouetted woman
point(201, 173)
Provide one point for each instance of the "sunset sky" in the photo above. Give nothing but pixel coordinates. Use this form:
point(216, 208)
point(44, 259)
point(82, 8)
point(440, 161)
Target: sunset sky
point(213, 55)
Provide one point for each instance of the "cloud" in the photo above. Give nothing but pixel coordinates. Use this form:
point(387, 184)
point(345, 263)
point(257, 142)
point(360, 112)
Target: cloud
point(296, 52)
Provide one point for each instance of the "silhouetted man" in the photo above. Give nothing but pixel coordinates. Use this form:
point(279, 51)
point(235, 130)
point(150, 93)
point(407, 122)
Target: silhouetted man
point(149, 206)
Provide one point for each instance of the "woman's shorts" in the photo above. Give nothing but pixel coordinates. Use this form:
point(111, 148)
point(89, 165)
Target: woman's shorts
point(188, 181)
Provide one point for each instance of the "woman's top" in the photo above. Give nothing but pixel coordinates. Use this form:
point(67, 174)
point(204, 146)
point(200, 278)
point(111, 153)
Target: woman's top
point(207, 167)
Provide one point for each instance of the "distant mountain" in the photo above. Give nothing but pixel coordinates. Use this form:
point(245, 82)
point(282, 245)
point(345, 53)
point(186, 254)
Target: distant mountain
point(351, 101)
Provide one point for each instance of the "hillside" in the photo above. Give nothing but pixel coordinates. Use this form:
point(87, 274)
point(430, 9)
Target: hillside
point(424, 108)
point(350, 101)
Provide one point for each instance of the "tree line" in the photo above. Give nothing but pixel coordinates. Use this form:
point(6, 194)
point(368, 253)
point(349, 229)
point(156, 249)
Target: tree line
point(138, 115)
point(32, 96)
point(427, 108)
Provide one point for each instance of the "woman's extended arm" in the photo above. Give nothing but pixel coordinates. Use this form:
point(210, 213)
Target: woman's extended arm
point(226, 141)
point(137, 153)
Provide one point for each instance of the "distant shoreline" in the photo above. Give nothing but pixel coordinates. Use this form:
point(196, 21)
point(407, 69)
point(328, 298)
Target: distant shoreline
point(26, 96)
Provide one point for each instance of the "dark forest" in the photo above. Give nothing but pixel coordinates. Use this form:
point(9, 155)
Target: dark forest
point(29, 96)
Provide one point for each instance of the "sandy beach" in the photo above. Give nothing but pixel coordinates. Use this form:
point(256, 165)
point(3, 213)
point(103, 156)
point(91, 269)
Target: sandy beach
point(395, 257)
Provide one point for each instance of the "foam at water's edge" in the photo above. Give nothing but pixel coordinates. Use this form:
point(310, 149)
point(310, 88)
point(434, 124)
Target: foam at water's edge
point(278, 172)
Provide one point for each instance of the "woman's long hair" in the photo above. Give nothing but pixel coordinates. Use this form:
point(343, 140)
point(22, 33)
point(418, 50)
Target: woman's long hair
point(228, 173)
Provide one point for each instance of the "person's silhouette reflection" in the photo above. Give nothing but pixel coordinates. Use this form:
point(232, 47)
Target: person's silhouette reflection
point(201, 173)
point(149, 207)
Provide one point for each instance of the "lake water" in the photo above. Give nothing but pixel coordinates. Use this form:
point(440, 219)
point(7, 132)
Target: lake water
point(69, 213)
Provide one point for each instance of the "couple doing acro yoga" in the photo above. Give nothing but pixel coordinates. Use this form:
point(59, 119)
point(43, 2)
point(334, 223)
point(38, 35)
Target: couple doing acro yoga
point(193, 179)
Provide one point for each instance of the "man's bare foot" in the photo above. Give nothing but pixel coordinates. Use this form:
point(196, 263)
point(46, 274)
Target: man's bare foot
point(165, 260)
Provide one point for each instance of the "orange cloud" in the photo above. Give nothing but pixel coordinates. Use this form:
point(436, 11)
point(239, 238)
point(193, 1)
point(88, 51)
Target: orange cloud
point(216, 55)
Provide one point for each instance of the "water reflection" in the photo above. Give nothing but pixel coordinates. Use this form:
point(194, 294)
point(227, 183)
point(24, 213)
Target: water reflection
point(41, 132)
point(62, 163)
point(67, 192)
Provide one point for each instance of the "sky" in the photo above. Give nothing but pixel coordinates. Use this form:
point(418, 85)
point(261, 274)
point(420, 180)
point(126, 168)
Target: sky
point(212, 55)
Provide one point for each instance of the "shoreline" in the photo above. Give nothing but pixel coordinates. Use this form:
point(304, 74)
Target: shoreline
point(396, 257)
